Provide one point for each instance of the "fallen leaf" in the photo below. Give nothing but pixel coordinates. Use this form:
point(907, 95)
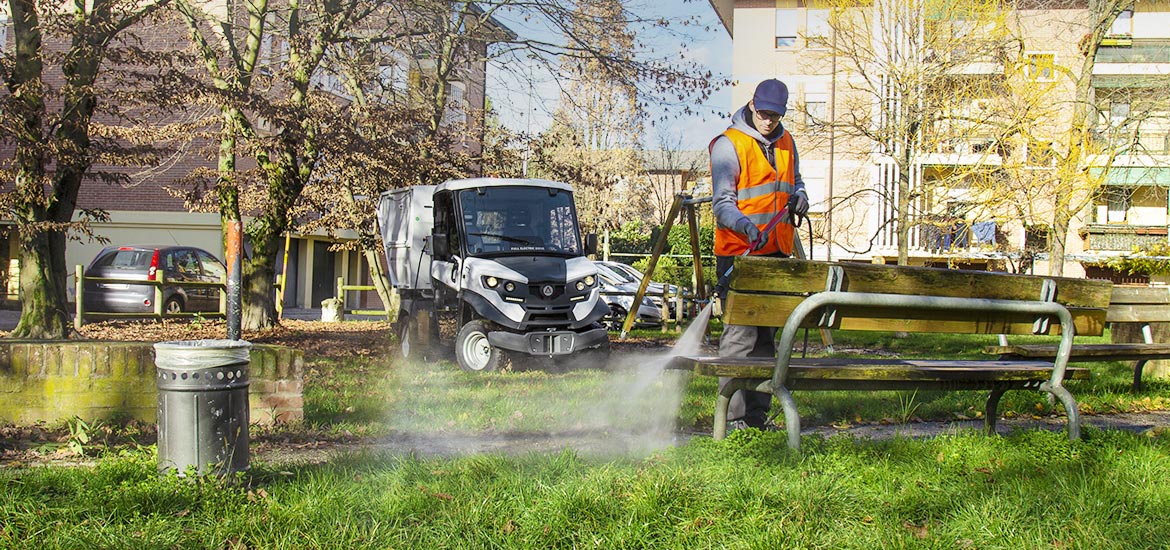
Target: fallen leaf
point(919, 531)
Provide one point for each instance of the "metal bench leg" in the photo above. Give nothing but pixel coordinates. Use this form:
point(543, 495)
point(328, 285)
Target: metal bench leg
point(791, 417)
point(719, 431)
point(1137, 374)
point(1070, 408)
point(991, 412)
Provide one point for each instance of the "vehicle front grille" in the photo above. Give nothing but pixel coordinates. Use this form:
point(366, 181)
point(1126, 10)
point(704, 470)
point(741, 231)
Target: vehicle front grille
point(547, 316)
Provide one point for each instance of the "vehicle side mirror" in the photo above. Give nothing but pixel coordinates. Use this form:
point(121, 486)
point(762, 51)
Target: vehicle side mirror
point(440, 247)
point(590, 244)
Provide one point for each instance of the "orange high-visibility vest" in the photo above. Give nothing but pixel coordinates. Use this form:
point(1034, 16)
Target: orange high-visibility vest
point(761, 192)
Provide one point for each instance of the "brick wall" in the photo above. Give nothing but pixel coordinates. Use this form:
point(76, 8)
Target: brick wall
point(54, 381)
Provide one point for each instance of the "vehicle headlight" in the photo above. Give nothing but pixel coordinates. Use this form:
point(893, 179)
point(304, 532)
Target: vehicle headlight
point(584, 283)
point(493, 282)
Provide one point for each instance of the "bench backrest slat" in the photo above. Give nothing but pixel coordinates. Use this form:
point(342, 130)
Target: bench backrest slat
point(1139, 305)
point(764, 291)
point(772, 310)
point(756, 274)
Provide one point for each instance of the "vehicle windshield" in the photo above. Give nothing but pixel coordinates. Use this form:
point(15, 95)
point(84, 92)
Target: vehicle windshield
point(519, 219)
point(612, 276)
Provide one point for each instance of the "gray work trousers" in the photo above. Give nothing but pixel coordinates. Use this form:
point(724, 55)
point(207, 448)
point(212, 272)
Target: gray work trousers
point(746, 341)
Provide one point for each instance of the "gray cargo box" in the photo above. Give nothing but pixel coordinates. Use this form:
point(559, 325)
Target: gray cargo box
point(405, 218)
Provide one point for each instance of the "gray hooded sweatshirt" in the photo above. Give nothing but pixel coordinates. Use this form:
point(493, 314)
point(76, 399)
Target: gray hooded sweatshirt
point(725, 171)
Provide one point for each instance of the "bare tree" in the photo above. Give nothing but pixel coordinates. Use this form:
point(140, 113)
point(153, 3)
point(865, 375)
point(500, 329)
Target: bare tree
point(1055, 117)
point(899, 61)
point(51, 95)
point(669, 170)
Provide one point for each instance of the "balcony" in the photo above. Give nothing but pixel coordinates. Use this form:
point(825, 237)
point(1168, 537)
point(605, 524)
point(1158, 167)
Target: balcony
point(1134, 50)
point(1120, 237)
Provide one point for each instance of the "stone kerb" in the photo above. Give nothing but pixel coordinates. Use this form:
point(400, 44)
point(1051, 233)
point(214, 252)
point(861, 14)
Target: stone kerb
point(54, 380)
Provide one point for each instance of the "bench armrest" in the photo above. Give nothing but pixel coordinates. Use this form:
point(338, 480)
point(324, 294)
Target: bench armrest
point(813, 304)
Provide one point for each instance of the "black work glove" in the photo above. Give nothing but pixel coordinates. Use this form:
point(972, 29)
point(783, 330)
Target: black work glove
point(798, 204)
point(756, 239)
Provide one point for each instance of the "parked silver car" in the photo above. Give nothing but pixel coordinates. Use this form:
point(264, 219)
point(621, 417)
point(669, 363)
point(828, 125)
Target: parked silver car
point(142, 263)
point(619, 295)
point(654, 290)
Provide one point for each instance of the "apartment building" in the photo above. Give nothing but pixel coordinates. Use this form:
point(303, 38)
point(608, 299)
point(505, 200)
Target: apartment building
point(954, 161)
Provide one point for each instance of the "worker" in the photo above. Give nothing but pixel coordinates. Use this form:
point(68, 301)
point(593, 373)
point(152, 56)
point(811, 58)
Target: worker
point(755, 176)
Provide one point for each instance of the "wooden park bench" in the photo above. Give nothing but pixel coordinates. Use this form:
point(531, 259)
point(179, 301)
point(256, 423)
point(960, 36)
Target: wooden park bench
point(1141, 305)
point(795, 294)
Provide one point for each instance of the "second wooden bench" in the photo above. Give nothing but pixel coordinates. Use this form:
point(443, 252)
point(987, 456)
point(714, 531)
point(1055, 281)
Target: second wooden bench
point(1141, 305)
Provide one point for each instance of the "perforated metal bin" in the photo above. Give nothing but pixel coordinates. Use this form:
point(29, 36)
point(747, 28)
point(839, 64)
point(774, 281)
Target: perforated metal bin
point(202, 406)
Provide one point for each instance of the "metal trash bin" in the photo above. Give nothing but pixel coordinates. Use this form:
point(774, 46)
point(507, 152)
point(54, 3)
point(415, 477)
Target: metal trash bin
point(203, 405)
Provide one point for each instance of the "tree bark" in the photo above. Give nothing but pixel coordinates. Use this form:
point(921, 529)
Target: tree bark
point(382, 283)
point(44, 311)
point(259, 304)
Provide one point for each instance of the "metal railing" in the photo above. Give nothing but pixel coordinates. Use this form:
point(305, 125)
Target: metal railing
point(159, 283)
point(342, 288)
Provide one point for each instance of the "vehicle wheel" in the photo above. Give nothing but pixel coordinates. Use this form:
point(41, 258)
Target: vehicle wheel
point(173, 305)
point(591, 358)
point(408, 339)
point(473, 351)
point(617, 316)
point(412, 344)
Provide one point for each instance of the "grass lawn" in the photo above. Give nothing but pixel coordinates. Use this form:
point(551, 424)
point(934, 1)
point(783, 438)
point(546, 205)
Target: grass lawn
point(1029, 489)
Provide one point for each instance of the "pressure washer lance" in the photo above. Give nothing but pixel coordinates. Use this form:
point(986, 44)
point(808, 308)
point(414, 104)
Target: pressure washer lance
point(723, 279)
point(722, 282)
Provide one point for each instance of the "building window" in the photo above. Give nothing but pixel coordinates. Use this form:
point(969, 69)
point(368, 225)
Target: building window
point(456, 112)
point(816, 108)
point(395, 72)
point(1123, 25)
point(1117, 201)
point(786, 28)
point(1041, 67)
point(817, 28)
point(1041, 154)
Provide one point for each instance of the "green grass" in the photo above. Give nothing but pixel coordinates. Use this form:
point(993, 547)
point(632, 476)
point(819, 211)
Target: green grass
point(1029, 489)
point(380, 396)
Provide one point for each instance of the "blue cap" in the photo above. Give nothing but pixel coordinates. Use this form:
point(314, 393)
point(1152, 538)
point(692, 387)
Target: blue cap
point(771, 95)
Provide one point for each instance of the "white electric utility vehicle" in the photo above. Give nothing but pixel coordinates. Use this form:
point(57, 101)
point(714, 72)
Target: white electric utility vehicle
point(499, 267)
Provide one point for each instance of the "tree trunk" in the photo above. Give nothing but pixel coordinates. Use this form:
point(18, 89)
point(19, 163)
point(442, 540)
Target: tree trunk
point(44, 311)
point(259, 304)
point(382, 283)
point(1060, 227)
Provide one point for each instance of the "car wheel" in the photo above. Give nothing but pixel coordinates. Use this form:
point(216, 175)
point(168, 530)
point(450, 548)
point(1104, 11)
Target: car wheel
point(173, 306)
point(472, 350)
point(617, 316)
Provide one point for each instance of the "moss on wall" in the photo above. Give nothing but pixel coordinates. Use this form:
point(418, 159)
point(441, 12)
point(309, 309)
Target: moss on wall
point(55, 380)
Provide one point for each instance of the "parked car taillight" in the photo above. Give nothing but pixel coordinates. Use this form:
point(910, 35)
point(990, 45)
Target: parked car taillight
point(150, 273)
